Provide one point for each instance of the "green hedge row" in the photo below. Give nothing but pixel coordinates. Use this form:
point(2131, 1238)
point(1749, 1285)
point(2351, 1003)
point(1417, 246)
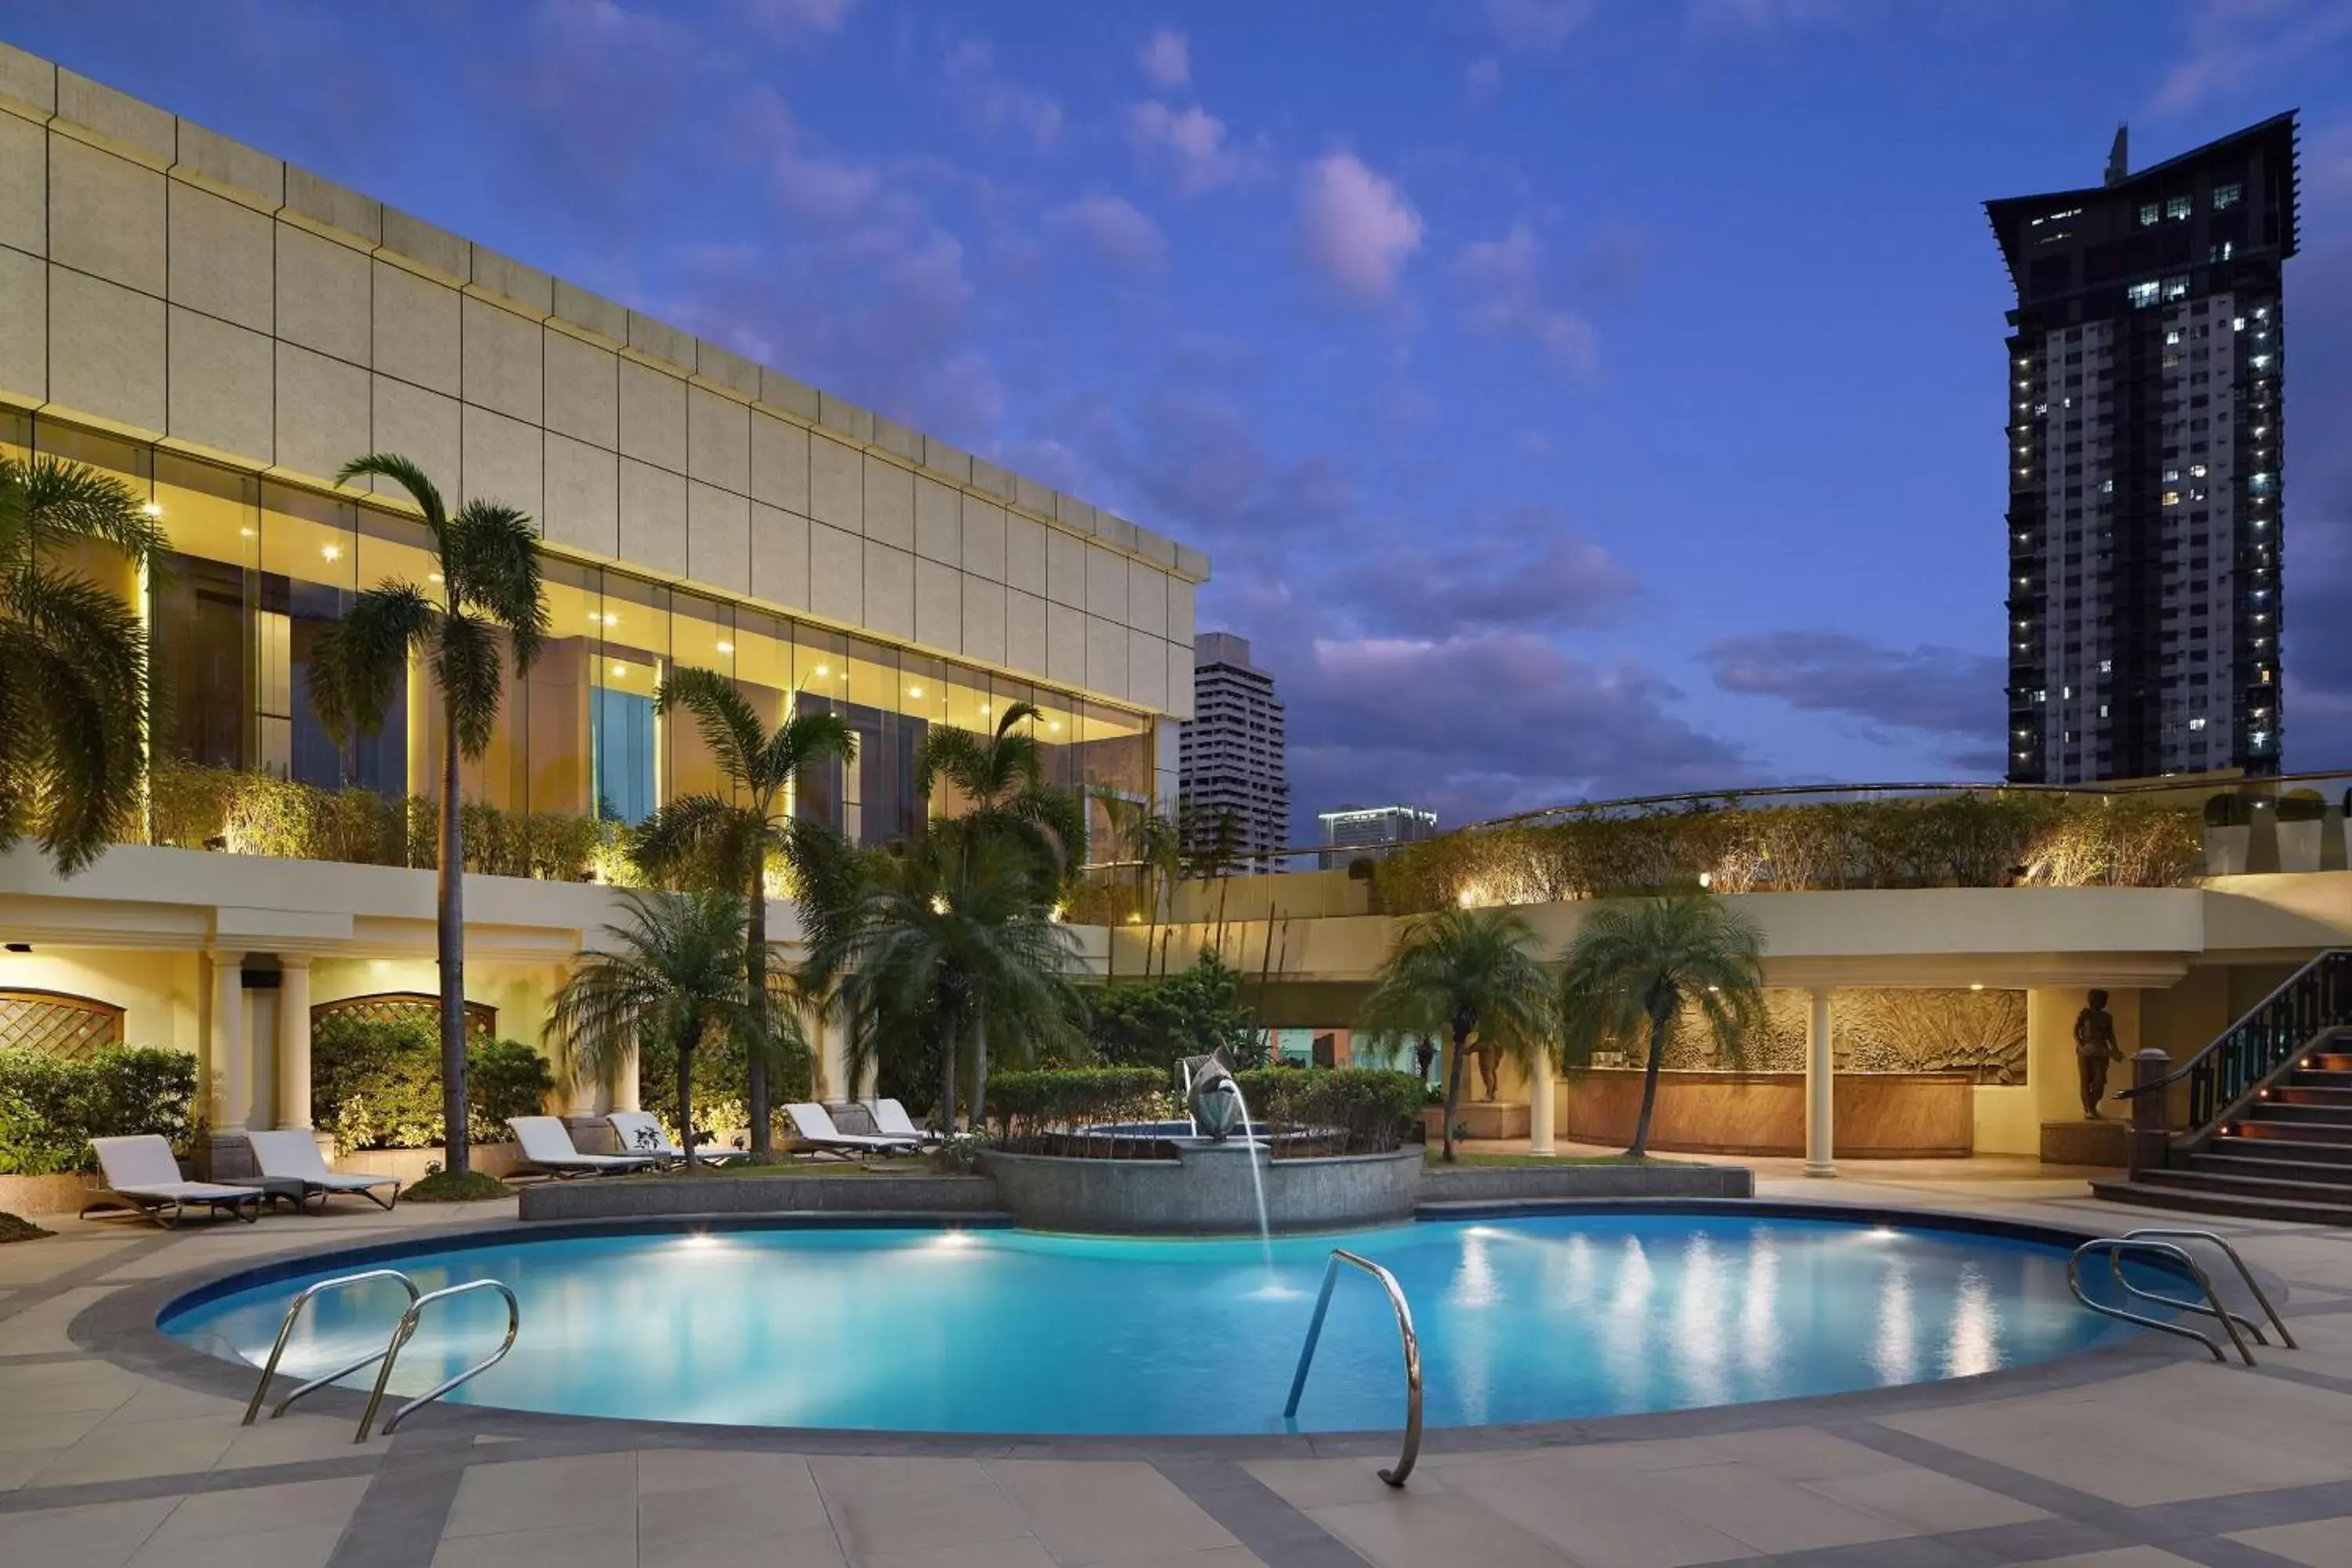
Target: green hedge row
point(51, 1107)
point(1345, 1111)
point(376, 1083)
point(1030, 1105)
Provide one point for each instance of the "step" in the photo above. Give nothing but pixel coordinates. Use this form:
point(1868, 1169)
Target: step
point(2281, 1148)
point(2315, 1078)
point(2238, 1204)
point(2329, 1061)
point(2320, 1173)
point(2275, 1110)
point(2301, 1093)
point(2252, 1186)
point(2292, 1131)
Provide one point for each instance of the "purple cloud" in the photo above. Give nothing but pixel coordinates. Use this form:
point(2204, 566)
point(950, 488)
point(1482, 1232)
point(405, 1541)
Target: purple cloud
point(1356, 228)
point(1117, 232)
point(1167, 60)
point(1938, 692)
point(1508, 297)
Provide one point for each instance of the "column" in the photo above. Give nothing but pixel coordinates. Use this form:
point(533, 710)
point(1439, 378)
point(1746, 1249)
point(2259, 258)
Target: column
point(232, 1088)
point(626, 1090)
point(833, 1062)
point(294, 1040)
point(1821, 1084)
point(1542, 1101)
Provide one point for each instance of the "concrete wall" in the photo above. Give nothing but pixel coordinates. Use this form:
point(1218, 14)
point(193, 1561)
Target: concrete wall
point(159, 281)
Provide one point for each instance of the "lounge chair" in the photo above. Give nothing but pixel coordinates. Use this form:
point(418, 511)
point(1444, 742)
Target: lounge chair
point(293, 1156)
point(817, 1127)
point(143, 1173)
point(890, 1118)
point(547, 1151)
point(641, 1132)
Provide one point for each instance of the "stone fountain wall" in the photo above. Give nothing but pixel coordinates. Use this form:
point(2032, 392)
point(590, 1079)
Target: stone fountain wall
point(1204, 1191)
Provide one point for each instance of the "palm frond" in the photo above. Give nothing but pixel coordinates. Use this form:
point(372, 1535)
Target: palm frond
point(467, 665)
point(358, 661)
point(723, 716)
point(491, 563)
point(46, 502)
point(702, 840)
point(406, 473)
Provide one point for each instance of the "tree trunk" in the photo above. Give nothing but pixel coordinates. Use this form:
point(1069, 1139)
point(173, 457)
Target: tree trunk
point(1640, 1147)
point(1454, 1084)
point(755, 1078)
point(450, 938)
point(950, 1048)
point(980, 1071)
point(686, 1043)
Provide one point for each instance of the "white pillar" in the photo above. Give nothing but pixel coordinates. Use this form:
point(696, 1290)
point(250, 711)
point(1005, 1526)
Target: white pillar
point(833, 1062)
point(625, 1089)
point(232, 1087)
point(1820, 1079)
point(294, 1040)
point(1541, 1102)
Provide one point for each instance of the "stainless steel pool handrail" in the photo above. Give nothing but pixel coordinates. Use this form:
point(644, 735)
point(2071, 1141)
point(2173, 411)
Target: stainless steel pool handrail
point(408, 1331)
point(286, 1333)
point(1395, 1476)
point(2114, 1243)
point(2168, 1233)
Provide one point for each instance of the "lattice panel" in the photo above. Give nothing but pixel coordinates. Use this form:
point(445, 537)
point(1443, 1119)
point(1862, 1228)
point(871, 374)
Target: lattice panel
point(388, 1006)
point(57, 1024)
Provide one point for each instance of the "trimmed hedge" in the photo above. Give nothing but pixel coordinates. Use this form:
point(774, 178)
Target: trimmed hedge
point(376, 1082)
point(1039, 1110)
point(51, 1107)
point(1975, 839)
point(1343, 1110)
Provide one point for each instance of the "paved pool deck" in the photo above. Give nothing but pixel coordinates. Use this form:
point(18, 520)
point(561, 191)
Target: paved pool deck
point(2135, 1459)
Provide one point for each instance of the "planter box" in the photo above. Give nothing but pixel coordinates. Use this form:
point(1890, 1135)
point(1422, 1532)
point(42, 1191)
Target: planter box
point(2298, 845)
point(409, 1164)
point(27, 1197)
point(1484, 1118)
point(2228, 850)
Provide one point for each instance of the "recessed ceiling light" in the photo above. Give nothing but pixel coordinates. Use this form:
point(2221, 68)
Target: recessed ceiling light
point(152, 508)
point(620, 669)
point(726, 647)
point(822, 671)
point(331, 552)
point(914, 691)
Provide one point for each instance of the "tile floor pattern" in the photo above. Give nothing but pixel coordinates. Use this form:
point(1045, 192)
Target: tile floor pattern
point(2170, 1461)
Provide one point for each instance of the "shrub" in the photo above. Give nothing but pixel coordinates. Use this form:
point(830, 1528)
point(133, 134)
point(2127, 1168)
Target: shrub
point(1155, 1023)
point(51, 1107)
point(455, 1187)
point(1039, 1110)
point(2302, 805)
point(376, 1082)
point(720, 1077)
point(1348, 1111)
point(2228, 811)
point(14, 1229)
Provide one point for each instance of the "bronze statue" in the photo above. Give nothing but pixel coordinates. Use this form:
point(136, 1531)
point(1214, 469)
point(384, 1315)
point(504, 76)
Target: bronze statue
point(2094, 1048)
point(1490, 1063)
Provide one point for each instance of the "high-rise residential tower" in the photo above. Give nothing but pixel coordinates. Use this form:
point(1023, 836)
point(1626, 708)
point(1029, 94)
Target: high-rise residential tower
point(1231, 753)
point(2145, 453)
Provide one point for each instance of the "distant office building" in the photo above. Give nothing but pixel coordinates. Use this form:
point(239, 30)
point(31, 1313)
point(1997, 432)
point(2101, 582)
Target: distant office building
point(1355, 831)
point(1230, 755)
point(2145, 456)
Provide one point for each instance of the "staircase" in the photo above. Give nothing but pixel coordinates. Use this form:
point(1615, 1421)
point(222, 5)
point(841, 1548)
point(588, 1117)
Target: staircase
point(2285, 1152)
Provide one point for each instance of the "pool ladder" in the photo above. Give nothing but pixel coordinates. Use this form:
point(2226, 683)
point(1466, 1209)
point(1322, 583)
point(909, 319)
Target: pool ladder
point(2162, 1244)
point(1395, 1476)
point(402, 1332)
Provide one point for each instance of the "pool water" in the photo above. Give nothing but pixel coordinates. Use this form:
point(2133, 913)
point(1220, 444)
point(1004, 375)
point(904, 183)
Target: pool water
point(1527, 1319)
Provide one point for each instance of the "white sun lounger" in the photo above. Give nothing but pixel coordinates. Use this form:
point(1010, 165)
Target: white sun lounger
point(547, 1151)
point(141, 1174)
point(641, 1132)
point(891, 1118)
point(293, 1156)
point(816, 1126)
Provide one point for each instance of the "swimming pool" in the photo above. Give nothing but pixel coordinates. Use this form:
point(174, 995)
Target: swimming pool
point(1522, 1319)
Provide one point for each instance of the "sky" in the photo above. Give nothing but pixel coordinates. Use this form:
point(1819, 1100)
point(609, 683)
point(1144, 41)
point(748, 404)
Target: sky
point(1576, 398)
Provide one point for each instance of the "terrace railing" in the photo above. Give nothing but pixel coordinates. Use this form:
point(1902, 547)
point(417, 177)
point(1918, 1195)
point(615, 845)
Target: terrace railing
point(2234, 1068)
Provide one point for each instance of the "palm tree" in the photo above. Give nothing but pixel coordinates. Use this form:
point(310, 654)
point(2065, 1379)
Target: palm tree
point(488, 559)
point(1462, 973)
point(674, 973)
point(730, 840)
point(1003, 775)
point(950, 934)
point(1641, 963)
point(1151, 841)
point(73, 661)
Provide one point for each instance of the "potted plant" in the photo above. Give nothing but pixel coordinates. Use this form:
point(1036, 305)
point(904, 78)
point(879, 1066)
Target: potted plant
point(2302, 816)
point(2229, 835)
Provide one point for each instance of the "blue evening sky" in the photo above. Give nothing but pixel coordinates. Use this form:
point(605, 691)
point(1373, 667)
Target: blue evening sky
point(1575, 397)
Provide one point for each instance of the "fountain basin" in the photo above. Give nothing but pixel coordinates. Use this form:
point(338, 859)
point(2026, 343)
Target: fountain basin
point(1206, 1190)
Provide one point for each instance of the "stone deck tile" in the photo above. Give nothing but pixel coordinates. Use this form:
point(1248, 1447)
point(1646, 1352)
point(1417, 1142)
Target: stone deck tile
point(1086, 1513)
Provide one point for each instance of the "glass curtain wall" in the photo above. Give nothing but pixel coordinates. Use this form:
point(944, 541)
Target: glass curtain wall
point(259, 571)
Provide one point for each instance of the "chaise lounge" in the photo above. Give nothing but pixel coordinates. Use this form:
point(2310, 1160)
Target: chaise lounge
point(293, 1156)
point(817, 1127)
point(641, 1132)
point(891, 1120)
point(547, 1151)
point(144, 1175)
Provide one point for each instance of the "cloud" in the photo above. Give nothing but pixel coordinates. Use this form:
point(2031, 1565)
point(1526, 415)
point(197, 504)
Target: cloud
point(1192, 145)
point(789, 20)
point(1532, 27)
point(1553, 582)
point(1504, 280)
point(1123, 236)
point(1167, 60)
point(1931, 690)
point(1386, 718)
point(997, 102)
point(1356, 229)
point(2234, 43)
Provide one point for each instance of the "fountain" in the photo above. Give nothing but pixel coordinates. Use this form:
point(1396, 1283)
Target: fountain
point(1213, 1096)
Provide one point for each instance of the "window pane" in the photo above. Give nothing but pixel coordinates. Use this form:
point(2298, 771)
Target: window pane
point(702, 636)
point(197, 612)
point(820, 684)
point(628, 669)
point(557, 719)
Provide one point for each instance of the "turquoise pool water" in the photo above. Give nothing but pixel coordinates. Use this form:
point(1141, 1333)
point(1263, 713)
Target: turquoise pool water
point(1527, 1319)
